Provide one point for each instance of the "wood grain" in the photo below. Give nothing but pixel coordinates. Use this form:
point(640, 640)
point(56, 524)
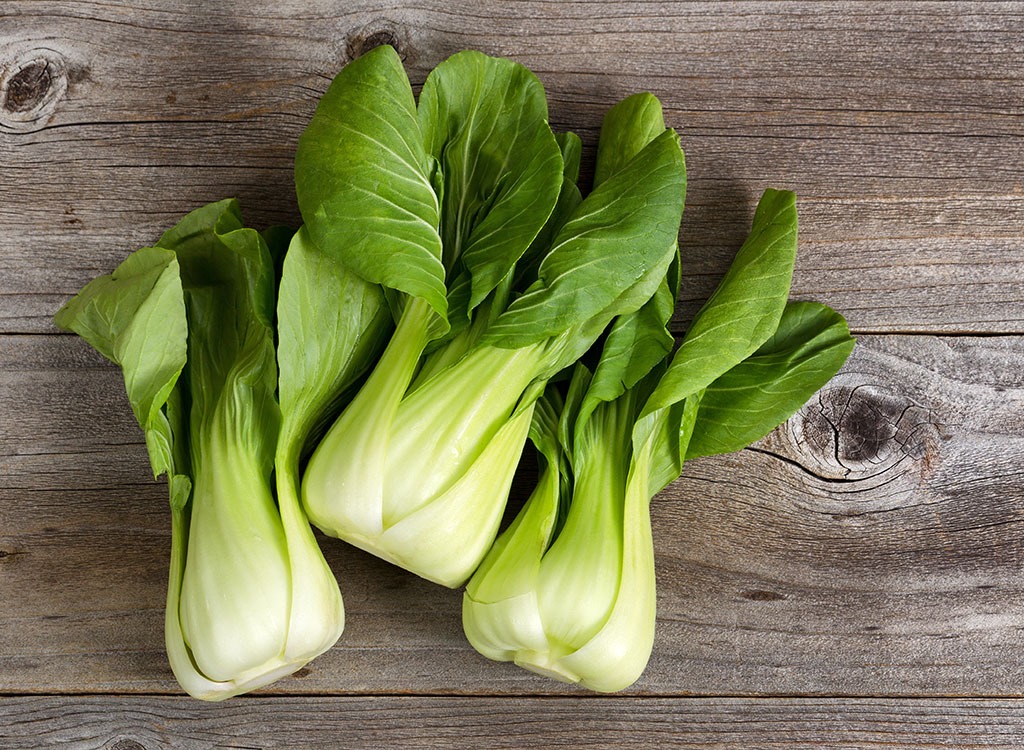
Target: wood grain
point(899, 125)
point(92, 723)
point(871, 546)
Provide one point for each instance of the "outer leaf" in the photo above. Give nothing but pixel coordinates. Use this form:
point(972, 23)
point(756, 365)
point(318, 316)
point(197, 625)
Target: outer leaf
point(668, 431)
point(767, 388)
point(484, 119)
point(513, 561)
point(117, 315)
point(331, 323)
point(614, 238)
point(469, 512)
point(573, 343)
point(364, 180)
point(745, 308)
point(227, 277)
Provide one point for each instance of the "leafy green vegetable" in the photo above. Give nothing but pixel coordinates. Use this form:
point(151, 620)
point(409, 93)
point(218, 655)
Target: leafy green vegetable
point(740, 315)
point(449, 269)
point(569, 589)
point(533, 276)
point(745, 308)
point(250, 597)
point(362, 156)
point(747, 402)
point(500, 175)
point(574, 600)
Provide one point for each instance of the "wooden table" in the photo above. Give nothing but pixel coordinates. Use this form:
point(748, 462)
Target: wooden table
point(853, 580)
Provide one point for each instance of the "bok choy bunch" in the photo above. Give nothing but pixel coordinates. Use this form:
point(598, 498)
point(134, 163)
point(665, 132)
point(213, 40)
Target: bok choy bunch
point(190, 321)
point(448, 270)
point(464, 208)
point(569, 589)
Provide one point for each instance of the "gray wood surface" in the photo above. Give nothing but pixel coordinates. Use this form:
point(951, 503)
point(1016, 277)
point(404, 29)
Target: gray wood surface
point(898, 124)
point(871, 547)
point(325, 723)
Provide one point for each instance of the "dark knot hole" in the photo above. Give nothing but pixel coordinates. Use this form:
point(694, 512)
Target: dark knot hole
point(27, 88)
point(362, 42)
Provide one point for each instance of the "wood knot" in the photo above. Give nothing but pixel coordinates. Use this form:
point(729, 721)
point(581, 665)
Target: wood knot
point(856, 431)
point(127, 745)
point(31, 86)
point(760, 595)
point(28, 87)
point(377, 34)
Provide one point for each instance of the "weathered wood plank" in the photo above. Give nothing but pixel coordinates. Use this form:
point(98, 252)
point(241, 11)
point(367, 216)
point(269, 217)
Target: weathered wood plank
point(872, 546)
point(91, 723)
point(898, 124)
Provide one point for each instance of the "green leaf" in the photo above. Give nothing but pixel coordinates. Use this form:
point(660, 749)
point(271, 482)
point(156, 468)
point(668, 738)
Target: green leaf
point(331, 326)
point(767, 388)
point(573, 343)
point(200, 224)
point(614, 238)
point(627, 128)
point(569, 198)
point(227, 276)
point(636, 343)
point(745, 308)
point(135, 317)
point(484, 119)
point(668, 432)
point(513, 561)
point(572, 152)
point(365, 182)
point(640, 339)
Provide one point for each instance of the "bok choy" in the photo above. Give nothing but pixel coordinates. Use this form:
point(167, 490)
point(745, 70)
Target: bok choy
point(450, 295)
point(569, 589)
point(190, 322)
point(465, 209)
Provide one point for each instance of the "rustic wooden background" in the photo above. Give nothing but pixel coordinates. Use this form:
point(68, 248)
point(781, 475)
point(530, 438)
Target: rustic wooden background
point(854, 580)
